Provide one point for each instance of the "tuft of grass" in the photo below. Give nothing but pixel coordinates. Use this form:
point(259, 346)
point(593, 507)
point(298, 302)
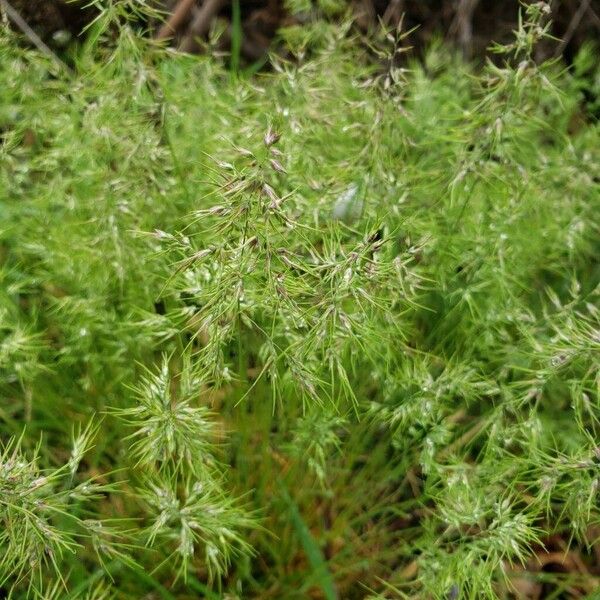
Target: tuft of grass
point(340, 320)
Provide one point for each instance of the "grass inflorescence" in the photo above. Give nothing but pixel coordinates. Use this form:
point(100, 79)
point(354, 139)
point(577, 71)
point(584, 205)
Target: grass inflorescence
point(328, 331)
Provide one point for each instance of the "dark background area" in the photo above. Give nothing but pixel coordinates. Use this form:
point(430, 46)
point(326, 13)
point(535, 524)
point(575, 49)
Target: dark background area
point(469, 25)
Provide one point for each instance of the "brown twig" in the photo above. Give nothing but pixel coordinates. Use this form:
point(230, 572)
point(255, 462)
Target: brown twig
point(462, 25)
point(594, 16)
point(178, 16)
point(583, 6)
point(201, 23)
point(393, 13)
point(14, 16)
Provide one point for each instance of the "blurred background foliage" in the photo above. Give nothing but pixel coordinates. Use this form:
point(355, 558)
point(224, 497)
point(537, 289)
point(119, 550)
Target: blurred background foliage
point(325, 330)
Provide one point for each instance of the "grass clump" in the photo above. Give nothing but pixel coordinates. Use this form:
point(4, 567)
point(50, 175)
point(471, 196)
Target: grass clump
point(330, 331)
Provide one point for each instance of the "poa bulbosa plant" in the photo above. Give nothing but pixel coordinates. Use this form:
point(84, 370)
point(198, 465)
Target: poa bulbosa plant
point(327, 331)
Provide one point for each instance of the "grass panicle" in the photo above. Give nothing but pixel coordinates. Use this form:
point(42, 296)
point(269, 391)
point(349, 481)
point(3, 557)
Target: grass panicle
point(340, 319)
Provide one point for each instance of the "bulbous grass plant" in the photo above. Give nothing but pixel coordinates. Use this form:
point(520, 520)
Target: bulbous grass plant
point(328, 331)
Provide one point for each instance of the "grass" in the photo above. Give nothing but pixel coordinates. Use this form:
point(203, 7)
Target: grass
point(329, 331)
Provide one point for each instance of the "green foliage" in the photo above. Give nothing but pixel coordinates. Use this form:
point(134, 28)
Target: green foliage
point(340, 320)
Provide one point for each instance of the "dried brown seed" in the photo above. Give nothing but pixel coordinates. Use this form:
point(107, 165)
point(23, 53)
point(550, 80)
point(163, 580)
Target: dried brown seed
point(271, 137)
point(277, 166)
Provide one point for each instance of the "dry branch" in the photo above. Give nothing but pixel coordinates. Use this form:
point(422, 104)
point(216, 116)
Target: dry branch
point(201, 24)
point(14, 16)
point(179, 15)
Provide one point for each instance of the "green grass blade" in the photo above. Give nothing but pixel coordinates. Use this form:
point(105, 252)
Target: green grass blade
point(320, 571)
